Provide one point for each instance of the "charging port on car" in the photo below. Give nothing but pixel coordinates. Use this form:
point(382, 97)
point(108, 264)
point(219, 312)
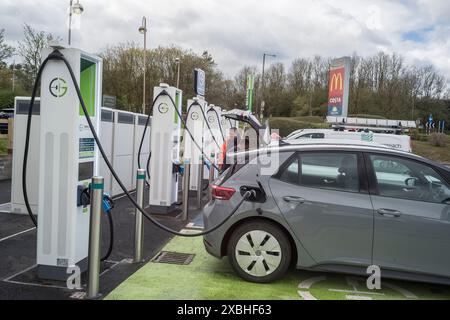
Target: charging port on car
point(258, 195)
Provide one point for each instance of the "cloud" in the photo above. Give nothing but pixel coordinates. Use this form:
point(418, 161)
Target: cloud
point(238, 32)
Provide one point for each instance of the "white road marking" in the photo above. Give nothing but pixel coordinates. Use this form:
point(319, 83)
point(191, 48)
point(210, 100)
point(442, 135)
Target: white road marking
point(17, 234)
point(352, 282)
point(306, 295)
point(306, 284)
point(193, 226)
point(109, 269)
point(350, 297)
point(78, 295)
point(35, 284)
point(408, 294)
point(20, 272)
point(356, 292)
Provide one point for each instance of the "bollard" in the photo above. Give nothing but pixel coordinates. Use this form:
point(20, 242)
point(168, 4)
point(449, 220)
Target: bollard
point(94, 238)
point(200, 183)
point(187, 173)
point(138, 225)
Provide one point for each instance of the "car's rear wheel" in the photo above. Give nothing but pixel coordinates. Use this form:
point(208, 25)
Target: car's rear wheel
point(259, 251)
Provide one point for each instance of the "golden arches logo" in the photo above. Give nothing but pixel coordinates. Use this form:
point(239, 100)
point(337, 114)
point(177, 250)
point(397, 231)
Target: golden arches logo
point(336, 82)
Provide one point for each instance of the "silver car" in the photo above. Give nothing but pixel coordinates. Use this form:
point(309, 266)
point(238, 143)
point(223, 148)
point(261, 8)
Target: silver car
point(334, 207)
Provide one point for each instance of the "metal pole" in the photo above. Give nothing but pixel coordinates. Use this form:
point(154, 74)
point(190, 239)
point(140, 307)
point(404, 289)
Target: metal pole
point(70, 20)
point(262, 88)
point(178, 74)
point(138, 225)
point(145, 66)
point(200, 183)
point(211, 175)
point(187, 173)
point(94, 238)
point(14, 76)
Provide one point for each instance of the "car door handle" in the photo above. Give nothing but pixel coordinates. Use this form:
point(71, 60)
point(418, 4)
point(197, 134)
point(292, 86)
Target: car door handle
point(294, 199)
point(389, 213)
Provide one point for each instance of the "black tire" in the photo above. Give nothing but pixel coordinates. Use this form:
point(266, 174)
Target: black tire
point(278, 235)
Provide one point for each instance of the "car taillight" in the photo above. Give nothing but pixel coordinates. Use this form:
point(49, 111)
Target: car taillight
point(222, 193)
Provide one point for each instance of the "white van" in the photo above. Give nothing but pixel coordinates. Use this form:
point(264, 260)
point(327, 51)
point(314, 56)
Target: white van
point(398, 142)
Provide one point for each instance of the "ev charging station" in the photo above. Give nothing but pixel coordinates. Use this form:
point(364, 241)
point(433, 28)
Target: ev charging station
point(68, 161)
point(21, 107)
point(225, 124)
point(123, 150)
point(213, 116)
point(195, 123)
point(165, 148)
point(139, 126)
point(107, 138)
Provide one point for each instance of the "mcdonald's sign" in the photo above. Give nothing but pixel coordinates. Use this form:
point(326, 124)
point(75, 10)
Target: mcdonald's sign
point(338, 88)
point(337, 81)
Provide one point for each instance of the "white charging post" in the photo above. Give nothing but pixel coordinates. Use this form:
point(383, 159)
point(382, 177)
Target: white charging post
point(21, 107)
point(195, 124)
point(68, 161)
point(212, 150)
point(165, 149)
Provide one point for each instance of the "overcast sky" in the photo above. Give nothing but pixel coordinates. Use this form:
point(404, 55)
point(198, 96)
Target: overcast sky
point(237, 32)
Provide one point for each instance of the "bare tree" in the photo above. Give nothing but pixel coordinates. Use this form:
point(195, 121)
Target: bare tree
point(30, 50)
point(6, 51)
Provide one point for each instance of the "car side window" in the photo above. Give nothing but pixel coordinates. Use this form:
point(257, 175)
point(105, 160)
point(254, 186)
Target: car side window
point(330, 170)
point(407, 179)
point(290, 173)
point(316, 135)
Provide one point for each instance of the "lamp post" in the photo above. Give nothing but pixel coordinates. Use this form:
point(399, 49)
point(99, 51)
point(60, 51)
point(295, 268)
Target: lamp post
point(76, 9)
point(143, 30)
point(178, 61)
point(261, 111)
point(14, 73)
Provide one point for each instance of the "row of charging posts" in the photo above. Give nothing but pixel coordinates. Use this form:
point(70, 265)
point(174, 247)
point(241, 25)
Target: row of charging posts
point(68, 159)
point(117, 129)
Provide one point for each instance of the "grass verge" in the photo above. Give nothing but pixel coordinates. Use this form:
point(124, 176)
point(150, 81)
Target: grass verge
point(3, 145)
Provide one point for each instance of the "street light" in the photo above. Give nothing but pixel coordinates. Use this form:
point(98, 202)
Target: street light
point(143, 30)
point(14, 73)
point(76, 9)
point(261, 111)
point(178, 61)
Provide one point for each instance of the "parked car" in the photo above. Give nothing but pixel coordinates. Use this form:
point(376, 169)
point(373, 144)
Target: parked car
point(5, 114)
point(395, 141)
point(334, 207)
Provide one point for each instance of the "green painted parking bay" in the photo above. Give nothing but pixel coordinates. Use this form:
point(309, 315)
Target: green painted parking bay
point(209, 278)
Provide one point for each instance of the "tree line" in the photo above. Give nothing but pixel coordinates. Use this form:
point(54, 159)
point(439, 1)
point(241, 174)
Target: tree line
point(381, 85)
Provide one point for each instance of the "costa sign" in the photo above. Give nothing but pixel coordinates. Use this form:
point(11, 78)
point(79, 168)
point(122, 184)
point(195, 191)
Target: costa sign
point(338, 88)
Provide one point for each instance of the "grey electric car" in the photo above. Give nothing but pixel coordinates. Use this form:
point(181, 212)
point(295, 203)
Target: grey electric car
point(333, 207)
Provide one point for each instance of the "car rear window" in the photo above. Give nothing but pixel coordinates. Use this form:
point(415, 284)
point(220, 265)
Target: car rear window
point(238, 162)
point(228, 173)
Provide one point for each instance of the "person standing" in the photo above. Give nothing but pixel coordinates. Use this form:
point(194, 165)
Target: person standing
point(229, 145)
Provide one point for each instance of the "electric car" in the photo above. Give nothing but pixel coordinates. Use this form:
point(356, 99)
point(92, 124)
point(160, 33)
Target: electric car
point(332, 207)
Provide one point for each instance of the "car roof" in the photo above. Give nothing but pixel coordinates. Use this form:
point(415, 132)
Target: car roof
point(335, 142)
point(339, 145)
